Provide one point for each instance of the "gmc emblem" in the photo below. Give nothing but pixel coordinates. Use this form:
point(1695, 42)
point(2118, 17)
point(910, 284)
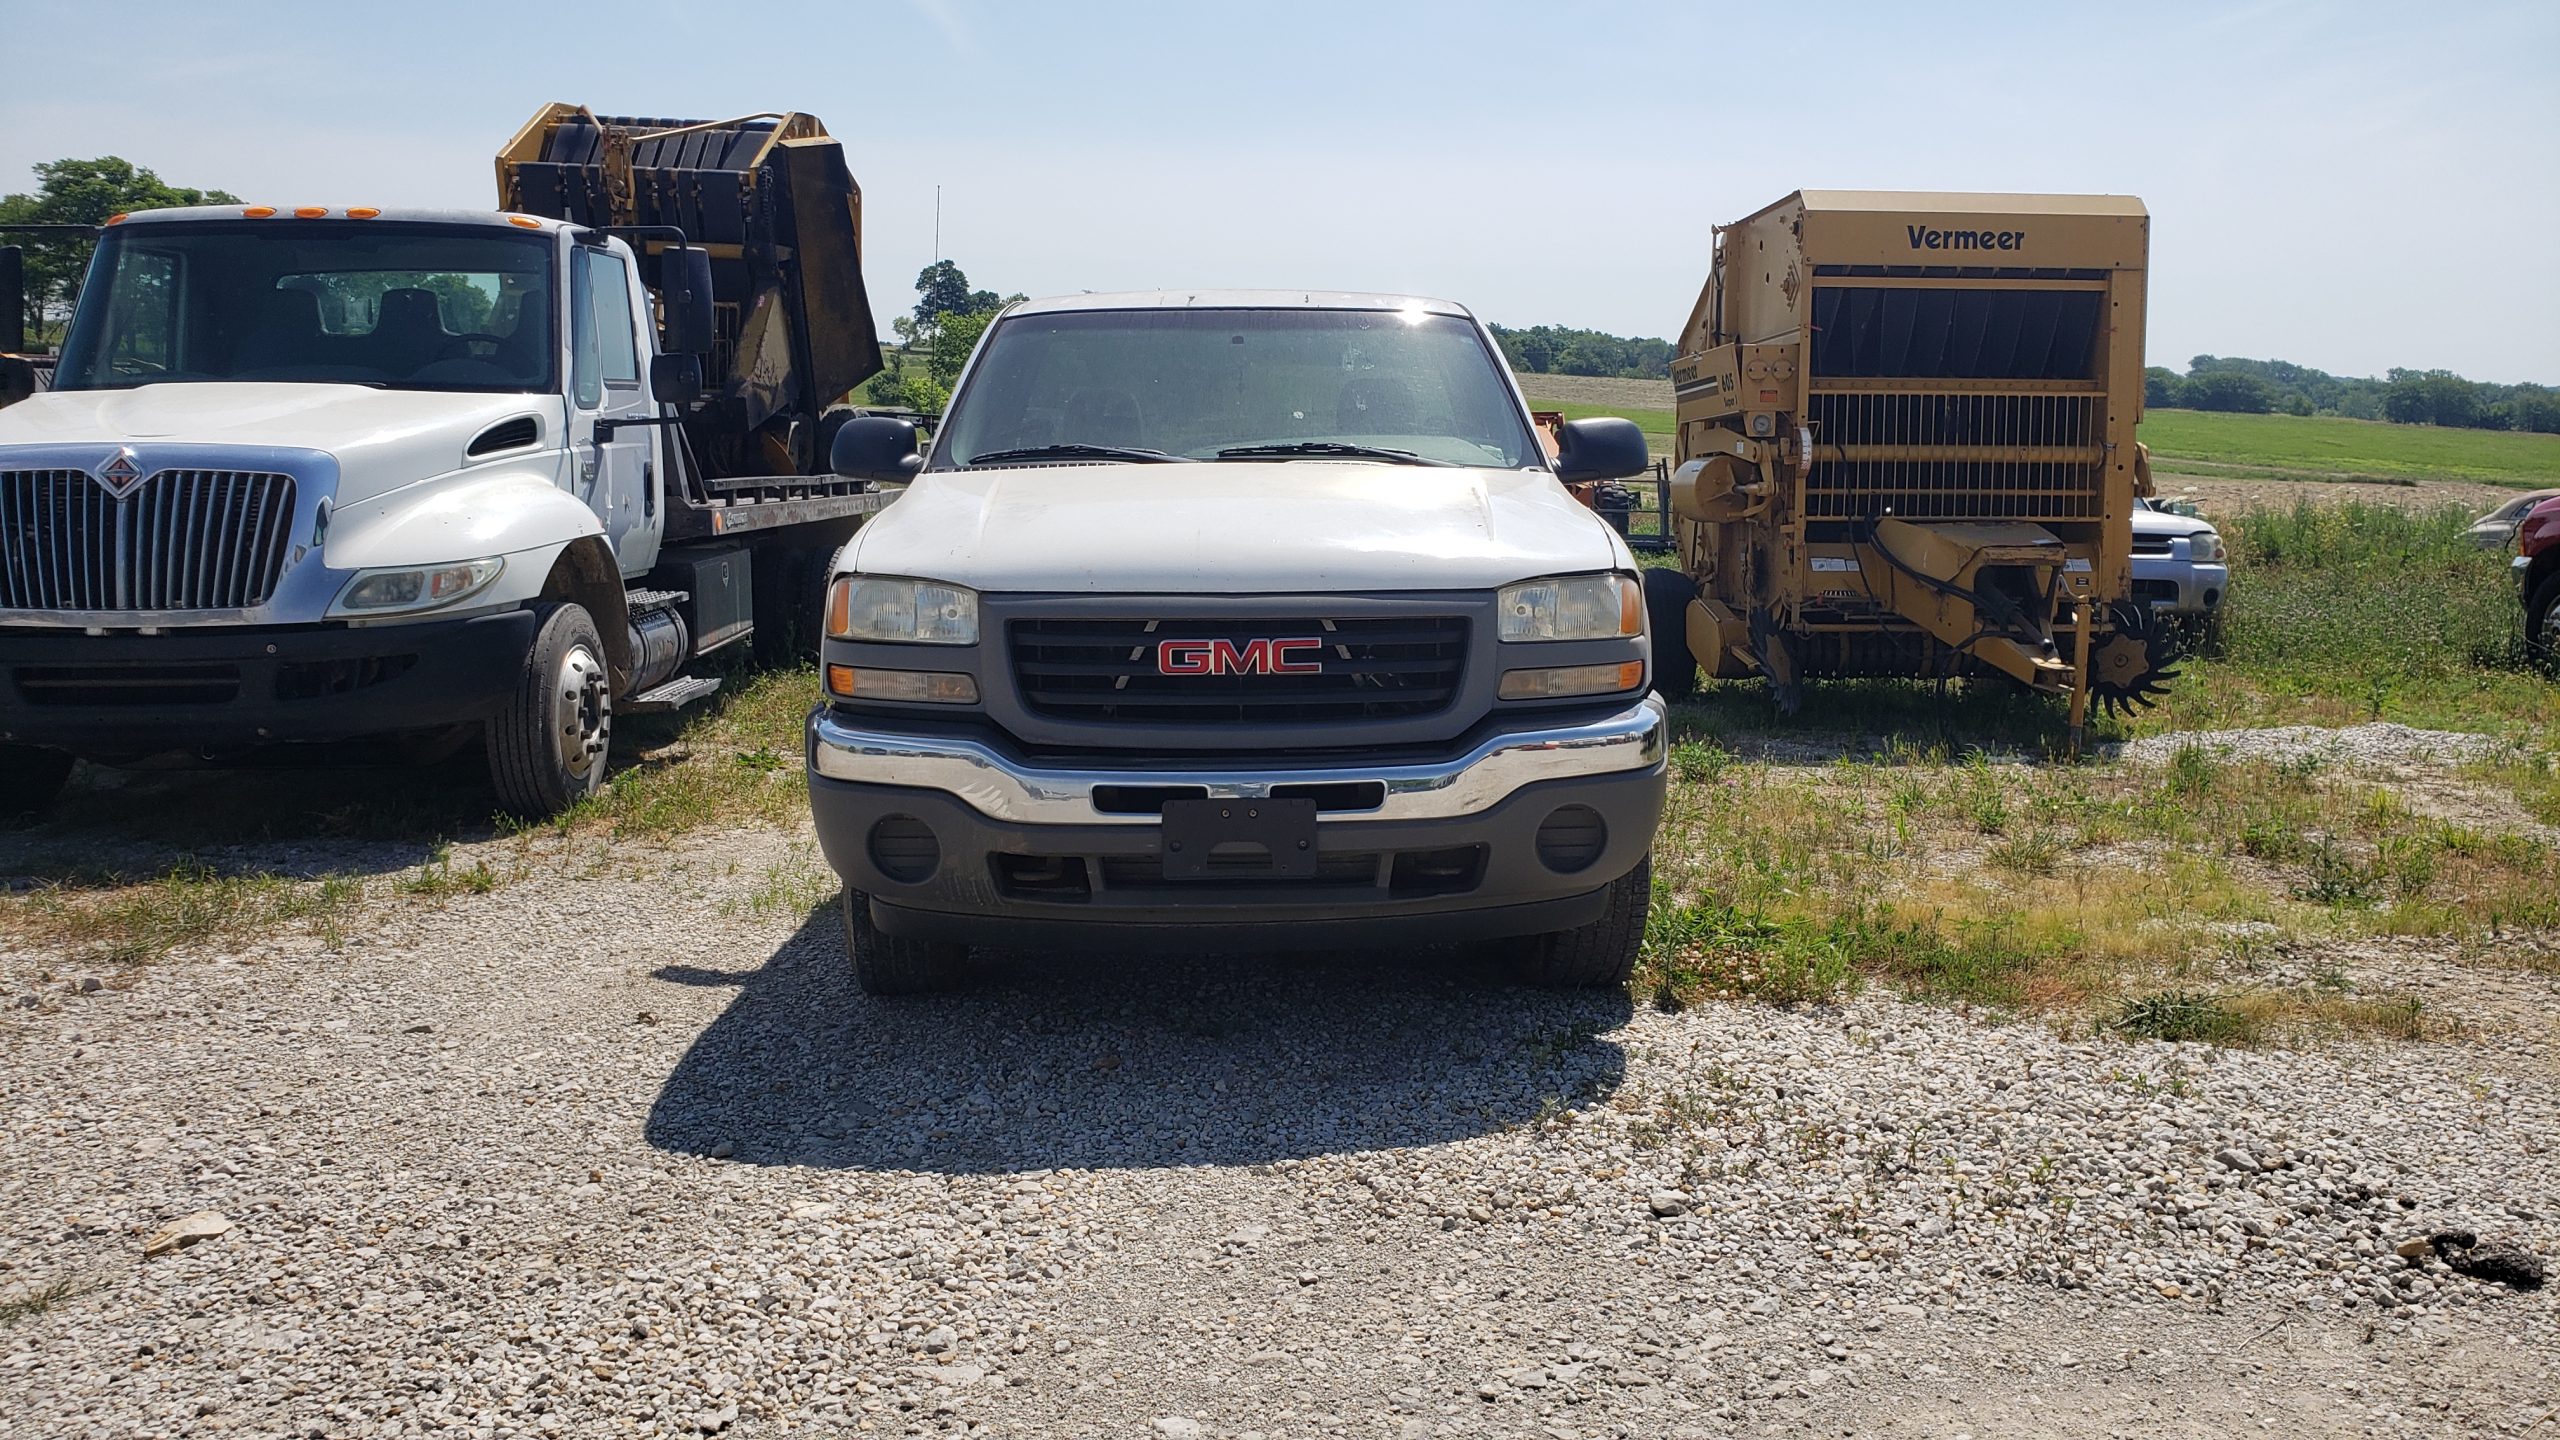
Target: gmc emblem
point(1225, 657)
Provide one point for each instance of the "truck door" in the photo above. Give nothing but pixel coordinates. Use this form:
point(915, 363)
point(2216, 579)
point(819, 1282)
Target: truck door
point(614, 477)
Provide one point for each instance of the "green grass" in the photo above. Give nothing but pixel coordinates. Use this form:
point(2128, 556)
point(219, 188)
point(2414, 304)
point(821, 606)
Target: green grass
point(2348, 612)
point(121, 920)
point(1659, 426)
point(2329, 447)
point(28, 1304)
point(735, 761)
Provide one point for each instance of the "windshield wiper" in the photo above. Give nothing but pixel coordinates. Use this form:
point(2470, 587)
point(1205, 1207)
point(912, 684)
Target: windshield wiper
point(1328, 449)
point(1073, 451)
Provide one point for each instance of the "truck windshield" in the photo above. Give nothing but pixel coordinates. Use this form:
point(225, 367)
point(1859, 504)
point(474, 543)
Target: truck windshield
point(408, 307)
point(1189, 384)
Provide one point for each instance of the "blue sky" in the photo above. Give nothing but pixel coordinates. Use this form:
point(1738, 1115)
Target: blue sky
point(2346, 185)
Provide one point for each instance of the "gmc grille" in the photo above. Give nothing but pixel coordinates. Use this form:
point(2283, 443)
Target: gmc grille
point(182, 540)
point(1375, 668)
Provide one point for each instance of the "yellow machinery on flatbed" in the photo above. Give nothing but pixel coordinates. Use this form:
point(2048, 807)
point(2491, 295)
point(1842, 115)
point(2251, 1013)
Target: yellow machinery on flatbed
point(1906, 447)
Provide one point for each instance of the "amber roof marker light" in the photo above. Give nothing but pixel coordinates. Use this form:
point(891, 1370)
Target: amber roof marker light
point(309, 212)
point(362, 212)
point(259, 212)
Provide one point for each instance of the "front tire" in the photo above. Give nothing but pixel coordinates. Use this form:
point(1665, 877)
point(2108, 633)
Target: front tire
point(1602, 953)
point(1667, 594)
point(31, 779)
point(885, 964)
point(547, 748)
point(2542, 618)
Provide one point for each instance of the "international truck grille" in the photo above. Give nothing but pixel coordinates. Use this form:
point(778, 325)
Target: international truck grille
point(1373, 668)
point(1923, 453)
point(181, 540)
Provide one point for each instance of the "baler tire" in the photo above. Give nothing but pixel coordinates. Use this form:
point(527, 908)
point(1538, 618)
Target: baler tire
point(1600, 954)
point(1667, 594)
point(532, 777)
point(887, 965)
point(31, 778)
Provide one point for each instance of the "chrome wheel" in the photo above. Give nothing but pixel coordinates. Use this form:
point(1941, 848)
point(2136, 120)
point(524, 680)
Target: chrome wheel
point(581, 711)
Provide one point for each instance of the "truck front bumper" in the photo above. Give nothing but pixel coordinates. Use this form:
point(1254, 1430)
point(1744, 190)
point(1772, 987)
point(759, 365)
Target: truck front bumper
point(1517, 831)
point(2181, 587)
point(125, 695)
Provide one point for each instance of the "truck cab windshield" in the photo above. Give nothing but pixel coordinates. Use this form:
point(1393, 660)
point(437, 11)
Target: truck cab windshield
point(1276, 384)
point(407, 307)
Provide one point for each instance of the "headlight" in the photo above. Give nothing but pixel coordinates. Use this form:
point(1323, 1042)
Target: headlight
point(2204, 545)
point(915, 612)
point(384, 592)
point(1573, 607)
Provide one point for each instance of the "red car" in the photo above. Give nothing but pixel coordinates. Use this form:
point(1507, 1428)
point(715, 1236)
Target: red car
point(2537, 566)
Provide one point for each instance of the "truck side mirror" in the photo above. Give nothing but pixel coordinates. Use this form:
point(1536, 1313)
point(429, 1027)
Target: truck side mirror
point(876, 447)
point(1600, 449)
point(675, 379)
point(684, 294)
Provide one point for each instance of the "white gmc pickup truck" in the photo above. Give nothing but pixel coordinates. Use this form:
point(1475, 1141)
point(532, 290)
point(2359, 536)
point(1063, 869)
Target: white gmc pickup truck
point(1248, 619)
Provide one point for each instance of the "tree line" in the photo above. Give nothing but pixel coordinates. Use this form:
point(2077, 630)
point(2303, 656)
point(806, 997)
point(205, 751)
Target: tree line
point(1563, 350)
point(79, 192)
point(2406, 397)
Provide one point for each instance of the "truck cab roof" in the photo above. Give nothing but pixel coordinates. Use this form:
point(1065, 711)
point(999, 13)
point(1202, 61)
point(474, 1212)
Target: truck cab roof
point(408, 214)
point(1241, 300)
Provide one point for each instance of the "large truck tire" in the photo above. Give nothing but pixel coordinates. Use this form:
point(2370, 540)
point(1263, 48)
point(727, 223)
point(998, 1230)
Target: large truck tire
point(886, 964)
point(1667, 594)
point(547, 748)
point(1602, 953)
point(31, 779)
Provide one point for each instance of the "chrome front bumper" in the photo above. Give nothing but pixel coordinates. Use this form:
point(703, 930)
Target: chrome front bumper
point(1005, 788)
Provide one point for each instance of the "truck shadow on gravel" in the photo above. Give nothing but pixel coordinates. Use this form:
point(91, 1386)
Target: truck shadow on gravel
point(1058, 1061)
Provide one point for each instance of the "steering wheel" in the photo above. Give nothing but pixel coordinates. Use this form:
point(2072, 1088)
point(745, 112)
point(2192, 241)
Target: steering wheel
point(495, 343)
point(135, 365)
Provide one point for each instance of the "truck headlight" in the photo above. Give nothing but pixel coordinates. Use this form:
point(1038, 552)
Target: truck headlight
point(1572, 607)
point(2205, 547)
point(390, 591)
point(915, 612)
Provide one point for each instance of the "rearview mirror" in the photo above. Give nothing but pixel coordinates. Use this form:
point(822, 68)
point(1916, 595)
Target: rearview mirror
point(1600, 449)
point(675, 379)
point(876, 447)
point(684, 296)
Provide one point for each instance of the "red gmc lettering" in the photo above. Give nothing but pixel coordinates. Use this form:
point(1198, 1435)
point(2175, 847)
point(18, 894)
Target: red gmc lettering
point(1225, 657)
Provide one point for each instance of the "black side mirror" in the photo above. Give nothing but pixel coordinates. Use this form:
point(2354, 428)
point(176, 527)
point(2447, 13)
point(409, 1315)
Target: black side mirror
point(876, 447)
point(1600, 449)
point(684, 295)
point(675, 379)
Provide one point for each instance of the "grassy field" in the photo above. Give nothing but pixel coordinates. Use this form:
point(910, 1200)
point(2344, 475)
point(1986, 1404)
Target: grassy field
point(2193, 442)
point(2329, 447)
point(1658, 426)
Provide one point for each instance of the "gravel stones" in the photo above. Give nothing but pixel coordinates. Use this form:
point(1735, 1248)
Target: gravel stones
point(2382, 743)
point(1524, 1214)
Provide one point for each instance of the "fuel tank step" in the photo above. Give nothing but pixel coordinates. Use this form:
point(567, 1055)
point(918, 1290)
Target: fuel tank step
point(674, 695)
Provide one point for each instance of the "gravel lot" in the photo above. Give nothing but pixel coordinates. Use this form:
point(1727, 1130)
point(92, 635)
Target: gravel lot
point(602, 1153)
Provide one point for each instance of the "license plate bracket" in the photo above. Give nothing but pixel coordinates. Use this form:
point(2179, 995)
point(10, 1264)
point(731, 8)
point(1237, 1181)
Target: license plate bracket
point(1216, 839)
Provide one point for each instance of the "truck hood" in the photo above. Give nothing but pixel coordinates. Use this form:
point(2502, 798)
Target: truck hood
point(1236, 527)
point(382, 439)
point(2161, 523)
